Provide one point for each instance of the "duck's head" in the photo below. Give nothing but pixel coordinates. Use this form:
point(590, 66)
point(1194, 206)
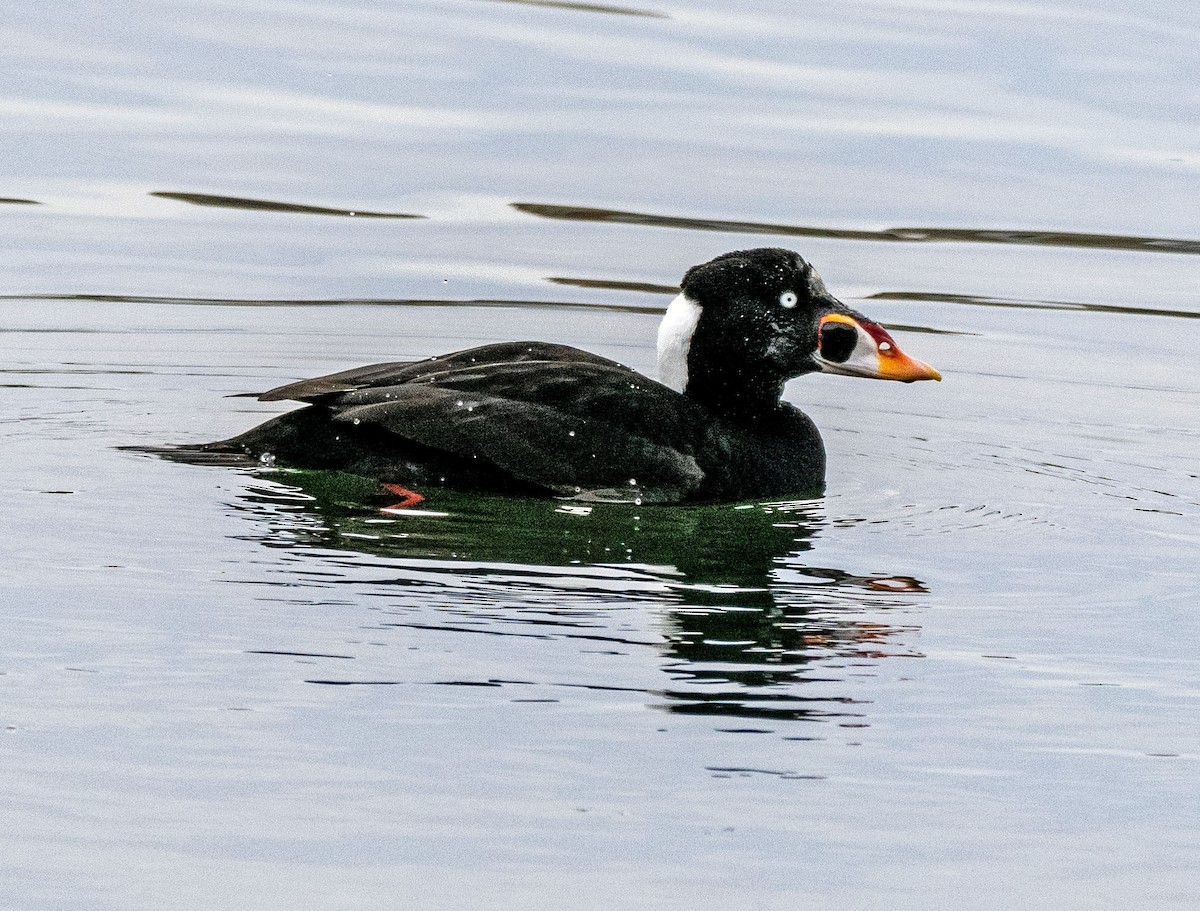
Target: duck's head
point(747, 322)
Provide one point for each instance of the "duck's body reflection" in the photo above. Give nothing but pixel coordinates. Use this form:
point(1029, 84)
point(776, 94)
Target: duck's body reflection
point(746, 615)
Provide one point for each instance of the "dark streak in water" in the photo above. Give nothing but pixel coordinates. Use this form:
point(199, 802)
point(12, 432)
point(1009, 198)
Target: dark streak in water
point(263, 651)
point(603, 688)
point(39, 331)
point(57, 371)
point(744, 730)
point(12, 201)
point(903, 235)
point(607, 284)
point(332, 302)
point(743, 770)
point(266, 205)
point(926, 330)
point(589, 8)
point(974, 300)
point(745, 704)
point(440, 628)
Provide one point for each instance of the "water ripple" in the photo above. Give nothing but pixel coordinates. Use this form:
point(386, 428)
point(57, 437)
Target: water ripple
point(267, 205)
point(589, 8)
point(1022, 237)
point(1018, 303)
point(334, 302)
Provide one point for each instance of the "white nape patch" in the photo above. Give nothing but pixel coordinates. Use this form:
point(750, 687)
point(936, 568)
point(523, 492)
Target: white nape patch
point(675, 341)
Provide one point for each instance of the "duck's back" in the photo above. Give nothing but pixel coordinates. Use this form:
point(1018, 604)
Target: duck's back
point(530, 417)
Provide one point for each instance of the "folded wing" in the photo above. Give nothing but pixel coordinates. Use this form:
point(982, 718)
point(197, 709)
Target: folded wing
point(549, 415)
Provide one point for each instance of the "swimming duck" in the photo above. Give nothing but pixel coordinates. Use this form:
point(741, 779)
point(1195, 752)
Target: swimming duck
point(534, 418)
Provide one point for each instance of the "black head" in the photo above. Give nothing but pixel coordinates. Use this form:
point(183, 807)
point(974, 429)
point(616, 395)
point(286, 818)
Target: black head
point(747, 322)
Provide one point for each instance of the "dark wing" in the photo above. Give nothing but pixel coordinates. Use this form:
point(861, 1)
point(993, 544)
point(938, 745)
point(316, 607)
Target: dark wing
point(322, 386)
point(556, 417)
point(566, 453)
point(397, 372)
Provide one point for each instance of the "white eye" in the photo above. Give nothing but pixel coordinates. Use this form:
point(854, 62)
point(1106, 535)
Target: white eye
point(787, 299)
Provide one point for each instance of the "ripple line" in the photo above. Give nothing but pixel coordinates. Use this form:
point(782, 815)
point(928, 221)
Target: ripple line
point(1024, 237)
point(333, 302)
point(935, 297)
point(267, 205)
point(590, 8)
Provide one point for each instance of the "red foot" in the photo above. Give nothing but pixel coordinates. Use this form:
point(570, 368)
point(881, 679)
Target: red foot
point(408, 498)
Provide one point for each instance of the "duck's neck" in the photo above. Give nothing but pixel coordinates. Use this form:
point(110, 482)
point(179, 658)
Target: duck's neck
point(702, 369)
point(737, 396)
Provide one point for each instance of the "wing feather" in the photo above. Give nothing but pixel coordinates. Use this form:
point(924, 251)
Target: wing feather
point(396, 372)
point(535, 443)
point(567, 420)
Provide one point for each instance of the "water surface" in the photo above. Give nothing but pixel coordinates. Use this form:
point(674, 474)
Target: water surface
point(966, 676)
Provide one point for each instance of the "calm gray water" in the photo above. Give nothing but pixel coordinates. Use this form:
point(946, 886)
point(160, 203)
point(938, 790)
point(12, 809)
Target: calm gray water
point(965, 678)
